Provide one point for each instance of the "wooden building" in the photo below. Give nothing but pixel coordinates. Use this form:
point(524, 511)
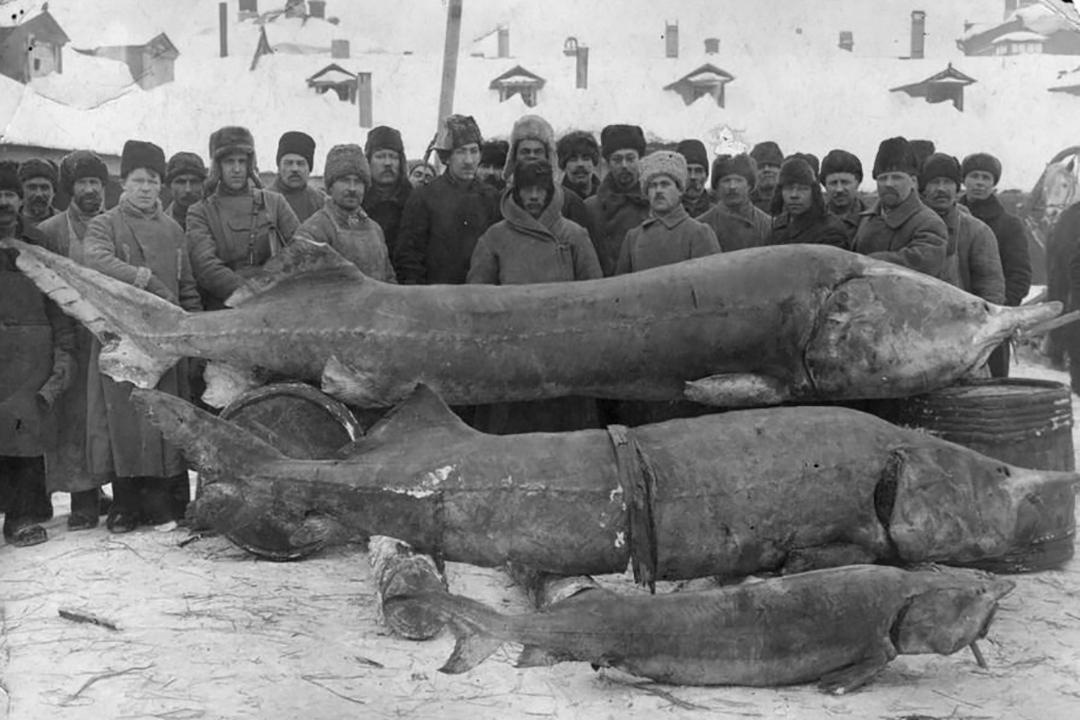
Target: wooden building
point(32, 48)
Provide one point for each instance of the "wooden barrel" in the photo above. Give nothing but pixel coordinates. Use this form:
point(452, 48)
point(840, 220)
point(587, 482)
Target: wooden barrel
point(1020, 421)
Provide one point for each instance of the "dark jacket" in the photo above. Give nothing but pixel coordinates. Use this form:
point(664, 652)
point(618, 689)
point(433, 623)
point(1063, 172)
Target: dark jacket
point(1063, 283)
point(738, 231)
point(304, 202)
point(357, 237)
point(1012, 244)
point(851, 218)
point(439, 228)
point(387, 206)
point(815, 226)
point(696, 207)
point(909, 234)
point(179, 215)
point(594, 185)
point(611, 215)
point(761, 200)
point(664, 241)
point(975, 266)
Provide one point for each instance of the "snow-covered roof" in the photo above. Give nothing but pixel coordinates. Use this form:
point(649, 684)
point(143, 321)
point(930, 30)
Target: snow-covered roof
point(1018, 37)
point(87, 82)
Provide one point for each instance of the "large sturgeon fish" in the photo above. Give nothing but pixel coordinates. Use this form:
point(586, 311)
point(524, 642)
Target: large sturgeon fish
point(784, 489)
point(839, 626)
point(797, 323)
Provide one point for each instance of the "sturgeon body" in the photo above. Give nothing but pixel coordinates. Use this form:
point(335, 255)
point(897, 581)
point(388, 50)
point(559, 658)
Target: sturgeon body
point(797, 323)
point(780, 489)
point(838, 626)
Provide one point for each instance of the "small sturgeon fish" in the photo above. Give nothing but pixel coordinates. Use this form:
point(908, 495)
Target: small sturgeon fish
point(839, 626)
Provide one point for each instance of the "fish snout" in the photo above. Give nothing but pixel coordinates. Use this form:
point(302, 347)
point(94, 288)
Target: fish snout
point(953, 609)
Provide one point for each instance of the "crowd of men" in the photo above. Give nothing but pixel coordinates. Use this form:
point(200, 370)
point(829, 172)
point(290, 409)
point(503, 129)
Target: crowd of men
point(532, 209)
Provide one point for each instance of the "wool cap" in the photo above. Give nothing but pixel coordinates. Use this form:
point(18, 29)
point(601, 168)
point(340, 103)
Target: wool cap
point(767, 153)
point(940, 165)
point(694, 151)
point(895, 155)
point(741, 164)
point(922, 149)
point(578, 142)
point(345, 160)
point(141, 154)
point(982, 161)
point(535, 174)
point(185, 163)
point(457, 131)
point(231, 139)
point(38, 168)
point(295, 142)
point(493, 152)
point(383, 137)
point(663, 162)
point(797, 171)
point(81, 164)
point(621, 137)
point(840, 161)
point(9, 177)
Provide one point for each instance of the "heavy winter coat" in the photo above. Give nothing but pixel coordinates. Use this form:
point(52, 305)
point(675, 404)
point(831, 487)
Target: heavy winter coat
point(594, 185)
point(738, 231)
point(357, 237)
point(664, 241)
point(386, 206)
point(814, 226)
point(230, 234)
point(439, 229)
point(1012, 244)
point(124, 243)
point(612, 214)
point(975, 266)
point(304, 202)
point(909, 234)
point(851, 218)
point(696, 207)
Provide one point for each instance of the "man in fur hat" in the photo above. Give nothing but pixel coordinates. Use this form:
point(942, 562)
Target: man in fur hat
point(83, 177)
point(443, 220)
point(768, 159)
point(696, 199)
point(137, 243)
point(389, 189)
point(37, 345)
point(619, 203)
point(971, 263)
point(579, 158)
point(899, 228)
point(737, 222)
point(38, 177)
point(798, 209)
point(492, 161)
point(532, 140)
point(342, 223)
point(841, 173)
point(185, 175)
point(239, 226)
point(295, 159)
point(981, 173)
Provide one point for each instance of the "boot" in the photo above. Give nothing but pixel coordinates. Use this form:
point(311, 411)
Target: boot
point(84, 509)
point(156, 500)
point(21, 527)
point(180, 496)
point(124, 512)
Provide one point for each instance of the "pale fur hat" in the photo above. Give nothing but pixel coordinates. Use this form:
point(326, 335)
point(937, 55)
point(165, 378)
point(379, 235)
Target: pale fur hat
point(530, 127)
point(663, 162)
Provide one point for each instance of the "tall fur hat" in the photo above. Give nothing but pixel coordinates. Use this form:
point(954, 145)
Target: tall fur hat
point(840, 161)
point(767, 153)
point(345, 160)
point(9, 177)
point(940, 165)
point(694, 151)
point(741, 164)
point(185, 163)
point(295, 142)
point(457, 131)
point(797, 171)
point(809, 158)
point(922, 149)
point(895, 155)
point(621, 137)
point(529, 127)
point(383, 137)
point(578, 142)
point(142, 154)
point(493, 152)
point(231, 139)
point(663, 162)
point(38, 168)
point(81, 164)
point(982, 161)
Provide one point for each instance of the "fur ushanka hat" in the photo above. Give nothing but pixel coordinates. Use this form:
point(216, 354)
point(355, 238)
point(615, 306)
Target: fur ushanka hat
point(663, 162)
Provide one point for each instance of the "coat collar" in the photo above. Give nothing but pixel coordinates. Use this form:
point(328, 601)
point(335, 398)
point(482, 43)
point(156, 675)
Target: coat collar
point(545, 227)
point(897, 216)
point(672, 220)
point(989, 209)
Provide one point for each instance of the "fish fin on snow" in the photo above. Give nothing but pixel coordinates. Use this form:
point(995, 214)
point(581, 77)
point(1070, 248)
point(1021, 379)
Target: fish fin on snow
point(854, 676)
point(350, 385)
point(536, 656)
point(124, 318)
point(469, 652)
point(734, 390)
point(422, 411)
point(210, 443)
point(301, 261)
point(475, 626)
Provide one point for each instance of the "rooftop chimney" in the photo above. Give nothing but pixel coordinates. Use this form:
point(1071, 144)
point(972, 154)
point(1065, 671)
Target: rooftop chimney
point(504, 41)
point(847, 40)
point(248, 9)
point(918, 34)
point(582, 55)
point(712, 46)
point(363, 98)
point(339, 49)
point(671, 39)
point(317, 8)
point(223, 28)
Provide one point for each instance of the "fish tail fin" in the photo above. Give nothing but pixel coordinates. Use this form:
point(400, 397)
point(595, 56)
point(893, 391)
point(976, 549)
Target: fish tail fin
point(213, 445)
point(128, 321)
point(475, 626)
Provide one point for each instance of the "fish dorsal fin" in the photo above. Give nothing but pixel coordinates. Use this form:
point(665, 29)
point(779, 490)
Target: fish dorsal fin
point(422, 411)
point(301, 260)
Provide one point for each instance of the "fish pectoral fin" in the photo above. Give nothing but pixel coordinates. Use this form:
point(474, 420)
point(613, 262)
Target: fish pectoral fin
point(536, 656)
point(827, 556)
point(854, 676)
point(735, 390)
point(315, 532)
point(470, 651)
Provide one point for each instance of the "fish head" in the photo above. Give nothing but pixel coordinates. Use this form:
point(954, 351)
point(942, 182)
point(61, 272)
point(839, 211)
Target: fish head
point(941, 502)
point(894, 332)
point(947, 609)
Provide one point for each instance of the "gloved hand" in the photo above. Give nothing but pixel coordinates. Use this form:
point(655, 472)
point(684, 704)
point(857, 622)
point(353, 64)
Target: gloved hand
point(160, 289)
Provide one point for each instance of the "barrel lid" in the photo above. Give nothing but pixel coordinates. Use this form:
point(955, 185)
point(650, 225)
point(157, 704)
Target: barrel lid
point(997, 387)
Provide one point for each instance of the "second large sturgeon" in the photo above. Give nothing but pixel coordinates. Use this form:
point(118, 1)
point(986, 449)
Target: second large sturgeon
point(797, 323)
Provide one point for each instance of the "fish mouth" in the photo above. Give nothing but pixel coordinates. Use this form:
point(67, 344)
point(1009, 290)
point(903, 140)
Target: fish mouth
point(1043, 553)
